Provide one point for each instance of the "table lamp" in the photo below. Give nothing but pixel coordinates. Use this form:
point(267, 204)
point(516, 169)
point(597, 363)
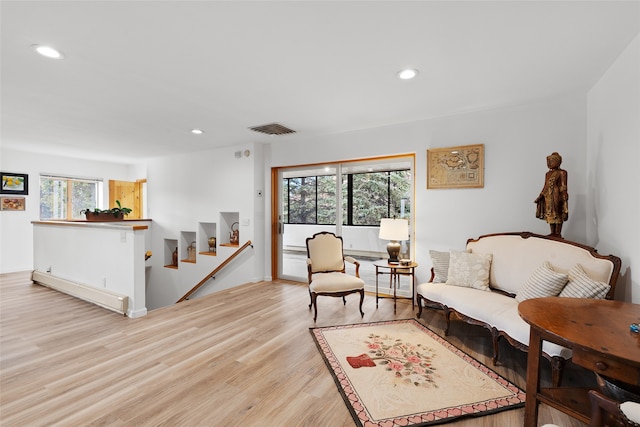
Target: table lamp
point(394, 230)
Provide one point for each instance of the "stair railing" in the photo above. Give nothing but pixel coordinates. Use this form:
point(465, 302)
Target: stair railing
point(215, 271)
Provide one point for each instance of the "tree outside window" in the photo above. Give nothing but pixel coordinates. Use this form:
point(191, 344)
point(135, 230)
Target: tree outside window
point(64, 198)
point(367, 197)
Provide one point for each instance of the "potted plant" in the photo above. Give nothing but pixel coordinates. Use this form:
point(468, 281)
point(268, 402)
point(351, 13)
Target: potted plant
point(114, 214)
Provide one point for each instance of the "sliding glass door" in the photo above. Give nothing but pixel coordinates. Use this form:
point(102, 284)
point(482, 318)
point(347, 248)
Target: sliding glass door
point(347, 198)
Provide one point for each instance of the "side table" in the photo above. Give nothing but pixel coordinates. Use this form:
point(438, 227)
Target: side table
point(395, 271)
point(598, 333)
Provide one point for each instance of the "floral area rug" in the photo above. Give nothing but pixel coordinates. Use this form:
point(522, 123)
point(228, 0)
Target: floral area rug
point(400, 373)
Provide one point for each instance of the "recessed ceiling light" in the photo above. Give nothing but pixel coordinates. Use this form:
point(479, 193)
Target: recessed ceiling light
point(407, 74)
point(48, 51)
point(197, 131)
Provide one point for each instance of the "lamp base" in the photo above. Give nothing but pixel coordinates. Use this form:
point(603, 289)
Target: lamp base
point(393, 248)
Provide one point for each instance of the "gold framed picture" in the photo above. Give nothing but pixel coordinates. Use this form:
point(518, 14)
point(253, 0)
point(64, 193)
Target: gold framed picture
point(456, 167)
point(12, 203)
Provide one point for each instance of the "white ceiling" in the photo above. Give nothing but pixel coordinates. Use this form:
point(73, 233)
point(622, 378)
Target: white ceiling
point(138, 75)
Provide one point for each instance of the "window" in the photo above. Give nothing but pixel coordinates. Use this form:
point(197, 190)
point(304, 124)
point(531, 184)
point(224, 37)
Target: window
point(367, 197)
point(64, 197)
point(376, 195)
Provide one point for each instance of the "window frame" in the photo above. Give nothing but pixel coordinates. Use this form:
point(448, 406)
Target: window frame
point(349, 197)
point(68, 184)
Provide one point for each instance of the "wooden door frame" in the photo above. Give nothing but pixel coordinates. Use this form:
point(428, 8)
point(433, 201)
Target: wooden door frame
point(137, 200)
point(275, 171)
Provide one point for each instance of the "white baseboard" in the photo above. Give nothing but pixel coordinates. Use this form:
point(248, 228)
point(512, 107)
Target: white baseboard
point(137, 313)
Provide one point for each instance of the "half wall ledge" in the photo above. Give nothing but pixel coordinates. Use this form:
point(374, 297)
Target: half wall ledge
point(103, 263)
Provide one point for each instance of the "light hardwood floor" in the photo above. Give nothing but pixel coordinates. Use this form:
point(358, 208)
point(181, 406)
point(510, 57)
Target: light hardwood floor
point(243, 356)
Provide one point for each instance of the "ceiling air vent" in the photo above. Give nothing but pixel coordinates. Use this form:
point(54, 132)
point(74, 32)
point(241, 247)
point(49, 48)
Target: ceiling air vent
point(273, 129)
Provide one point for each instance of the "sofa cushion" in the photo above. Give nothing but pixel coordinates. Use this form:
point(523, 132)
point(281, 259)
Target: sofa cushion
point(503, 314)
point(516, 258)
point(582, 286)
point(440, 262)
point(544, 282)
point(334, 282)
point(469, 270)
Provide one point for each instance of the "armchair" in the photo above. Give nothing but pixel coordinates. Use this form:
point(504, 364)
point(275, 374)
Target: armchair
point(326, 270)
point(623, 414)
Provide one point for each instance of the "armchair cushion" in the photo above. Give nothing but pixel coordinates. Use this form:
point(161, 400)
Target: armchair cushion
point(334, 282)
point(631, 411)
point(326, 252)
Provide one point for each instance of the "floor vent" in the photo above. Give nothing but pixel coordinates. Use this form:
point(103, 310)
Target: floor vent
point(273, 129)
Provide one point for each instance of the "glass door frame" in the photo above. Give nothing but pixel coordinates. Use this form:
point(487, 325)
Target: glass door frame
point(277, 224)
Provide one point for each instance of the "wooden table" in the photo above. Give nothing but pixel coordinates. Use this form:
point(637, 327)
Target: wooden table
point(598, 333)
point(395, 271)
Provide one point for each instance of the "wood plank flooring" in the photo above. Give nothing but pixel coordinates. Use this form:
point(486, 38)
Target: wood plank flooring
point(243, 356)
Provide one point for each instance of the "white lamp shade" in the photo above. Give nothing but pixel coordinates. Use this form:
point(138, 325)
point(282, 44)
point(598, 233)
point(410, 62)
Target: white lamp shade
point(394, 229)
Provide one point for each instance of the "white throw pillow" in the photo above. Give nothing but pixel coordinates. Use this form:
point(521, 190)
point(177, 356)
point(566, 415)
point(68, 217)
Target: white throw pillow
point(582, 286)
point(544, 282)
point(469, 270)
point(440, 262)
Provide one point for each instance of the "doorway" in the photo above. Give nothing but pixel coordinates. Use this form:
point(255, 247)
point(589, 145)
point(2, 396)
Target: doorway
point(129, 194)
point(347, 198)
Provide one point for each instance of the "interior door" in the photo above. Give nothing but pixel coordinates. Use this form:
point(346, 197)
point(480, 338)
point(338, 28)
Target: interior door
point(128, 193)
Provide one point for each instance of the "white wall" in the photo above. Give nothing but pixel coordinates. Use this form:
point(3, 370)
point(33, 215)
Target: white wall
point(16, 244)
point(102, 256)
point(192, 188)
point(517, 140)
point(613, 151)
point(182, 192)
point(188, 189)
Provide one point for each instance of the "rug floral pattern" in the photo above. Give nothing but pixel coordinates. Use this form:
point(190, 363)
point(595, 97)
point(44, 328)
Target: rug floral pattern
point(400, 373)
point(407, 362)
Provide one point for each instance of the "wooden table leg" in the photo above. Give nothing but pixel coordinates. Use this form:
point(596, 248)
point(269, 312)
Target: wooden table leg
point(396, 278)
point(376, 286)
point(533, 379)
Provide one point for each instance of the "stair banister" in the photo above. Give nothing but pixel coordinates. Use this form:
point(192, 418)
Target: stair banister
point(215, 271)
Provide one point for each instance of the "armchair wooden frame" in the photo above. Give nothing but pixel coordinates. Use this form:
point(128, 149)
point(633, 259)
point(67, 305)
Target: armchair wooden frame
point(606, 411)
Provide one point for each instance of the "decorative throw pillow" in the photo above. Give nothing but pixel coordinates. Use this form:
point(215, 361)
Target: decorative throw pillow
point(582, 286)
point(544, 282)
point(469, 270)
point(440, 261)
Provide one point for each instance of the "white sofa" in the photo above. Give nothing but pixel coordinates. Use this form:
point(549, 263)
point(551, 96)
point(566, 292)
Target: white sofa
point(516, 259)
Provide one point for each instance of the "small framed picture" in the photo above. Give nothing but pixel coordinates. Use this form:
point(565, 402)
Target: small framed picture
point(12, 203)
point(14, 183)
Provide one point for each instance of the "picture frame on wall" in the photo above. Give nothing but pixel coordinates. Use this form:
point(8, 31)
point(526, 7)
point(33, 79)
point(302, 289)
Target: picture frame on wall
point(14, 183)
point(12, 203)
point(456, 167)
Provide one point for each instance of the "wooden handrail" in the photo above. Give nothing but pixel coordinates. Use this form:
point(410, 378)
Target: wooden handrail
point(215, 271)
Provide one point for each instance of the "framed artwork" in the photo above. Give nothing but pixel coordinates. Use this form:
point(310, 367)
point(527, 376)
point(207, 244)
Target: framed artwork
point(12, 203)
point(456, 167)
point(14, 183)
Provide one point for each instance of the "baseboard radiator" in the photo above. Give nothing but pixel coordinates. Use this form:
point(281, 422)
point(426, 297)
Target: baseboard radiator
point(102, 297)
